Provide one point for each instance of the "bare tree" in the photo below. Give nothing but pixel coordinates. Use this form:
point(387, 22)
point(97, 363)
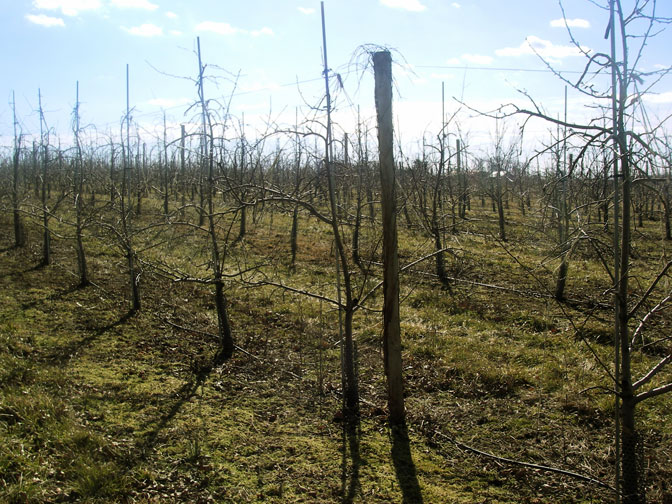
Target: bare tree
point(78, 193)
point(629, 149)
point(19, 231)
point(44, 159)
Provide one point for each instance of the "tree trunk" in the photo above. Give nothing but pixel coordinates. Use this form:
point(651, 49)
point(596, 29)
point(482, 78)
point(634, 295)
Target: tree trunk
point(46, 232)
point(19, 232)
point(78, 189)
point(225, 337)
point(350, 391)
point(500, 210)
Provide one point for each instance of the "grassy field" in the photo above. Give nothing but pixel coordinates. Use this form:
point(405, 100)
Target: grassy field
point(101, 405)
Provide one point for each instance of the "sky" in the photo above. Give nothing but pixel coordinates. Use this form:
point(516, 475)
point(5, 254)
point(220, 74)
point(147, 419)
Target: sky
point(264, 62)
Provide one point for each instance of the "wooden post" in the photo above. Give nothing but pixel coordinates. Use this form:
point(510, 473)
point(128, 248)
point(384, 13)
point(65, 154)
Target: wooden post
point(382, 66)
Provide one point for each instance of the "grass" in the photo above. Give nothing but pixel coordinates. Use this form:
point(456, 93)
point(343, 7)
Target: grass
point(98, 405)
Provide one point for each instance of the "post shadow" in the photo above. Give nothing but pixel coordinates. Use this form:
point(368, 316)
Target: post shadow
point(351, 457)
point(404, 466)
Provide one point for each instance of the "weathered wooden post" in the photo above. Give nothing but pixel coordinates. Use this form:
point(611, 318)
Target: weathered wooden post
point(382, 66)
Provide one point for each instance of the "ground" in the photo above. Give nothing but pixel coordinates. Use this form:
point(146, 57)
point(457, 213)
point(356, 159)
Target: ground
point(98, 404)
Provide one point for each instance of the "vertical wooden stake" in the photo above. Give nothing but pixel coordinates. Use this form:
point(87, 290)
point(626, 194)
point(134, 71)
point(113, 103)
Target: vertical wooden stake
point(382, 66)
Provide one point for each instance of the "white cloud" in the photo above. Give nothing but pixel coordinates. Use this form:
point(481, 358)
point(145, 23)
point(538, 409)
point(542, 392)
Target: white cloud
point(306, 10)
point(478, 59)
point(443, 76)
point(259, 86)
point(544, 48)
point(456, 5)
point(227, 29)
point(659, 97)
point(219, 28)
point(177, 33)
point(264, 31)
point(572, 23)
point(42, 20)
point(144, 30)
point(169, 102)
point(409, 5)
point(67, 7)
point(134, 4)
point(408, 70)
point(171, 15)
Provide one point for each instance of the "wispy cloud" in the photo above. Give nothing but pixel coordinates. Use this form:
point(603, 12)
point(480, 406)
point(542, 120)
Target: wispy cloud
point(171, 15)
point(228, 30)
point(134, 4)
point(306, 10)
point(572, 23)
point(478, 59)
point(456, 5)
point(442, 76)
point(144, 30)
point(43, 20)
point(262, 85)
point(219, 28)
point(408, 70)
point(67, 7)
point(544, 48)
point(169, 102)
point(264, 31)
point(409, 5)
point(658, 98)
point(176, 33)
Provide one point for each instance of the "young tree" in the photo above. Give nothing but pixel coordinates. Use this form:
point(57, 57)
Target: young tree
point(628, 150)
point(78, 193)
point(44, 144)
point(19, 231)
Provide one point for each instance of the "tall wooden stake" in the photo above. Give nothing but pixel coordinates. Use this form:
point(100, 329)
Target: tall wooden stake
point(382, 67)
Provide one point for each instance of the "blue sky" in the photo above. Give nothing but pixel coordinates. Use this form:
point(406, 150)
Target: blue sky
point(478, 48)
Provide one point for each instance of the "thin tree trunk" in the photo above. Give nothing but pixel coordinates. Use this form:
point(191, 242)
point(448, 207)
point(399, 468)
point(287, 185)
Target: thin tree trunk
point(350, 391)
point(19, 232)
point(126, 194)
point(78, 184)
point(46, 232)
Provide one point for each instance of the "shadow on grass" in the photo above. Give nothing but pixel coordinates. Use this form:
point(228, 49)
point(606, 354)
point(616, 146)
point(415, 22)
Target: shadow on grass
point(149, 440)
point(63, 354)
point(51, 297)
point(13, 272)
point(351, 460)
point(404, 466)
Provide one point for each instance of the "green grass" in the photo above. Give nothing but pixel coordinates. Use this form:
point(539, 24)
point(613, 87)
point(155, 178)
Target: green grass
point(99, 406)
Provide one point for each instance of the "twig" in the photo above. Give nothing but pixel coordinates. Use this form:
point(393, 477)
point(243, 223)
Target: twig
point(510, 461)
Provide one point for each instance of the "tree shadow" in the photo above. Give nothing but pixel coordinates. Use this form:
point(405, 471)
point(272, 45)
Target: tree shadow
point(63, 354)
point(51, 297)
point(351, 460)
point(183, 395)
point(404, 466)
